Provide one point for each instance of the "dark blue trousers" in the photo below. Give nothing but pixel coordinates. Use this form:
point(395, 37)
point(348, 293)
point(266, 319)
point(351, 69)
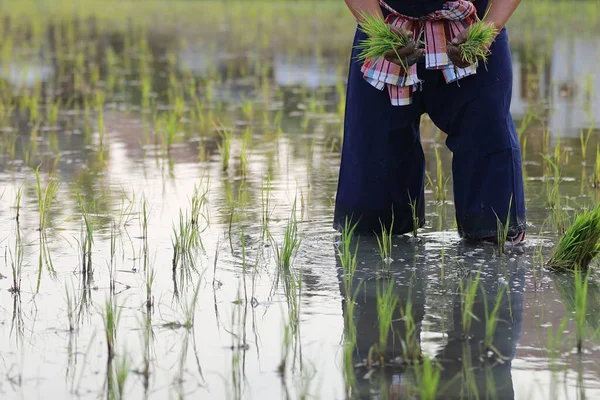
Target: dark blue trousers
point(383, 164)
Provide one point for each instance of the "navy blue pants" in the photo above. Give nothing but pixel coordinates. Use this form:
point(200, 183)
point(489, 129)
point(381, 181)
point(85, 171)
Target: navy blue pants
point(383, 164)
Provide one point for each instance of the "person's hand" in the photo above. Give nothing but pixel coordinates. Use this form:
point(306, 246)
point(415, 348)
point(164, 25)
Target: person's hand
point(454, 52)
point(409, 54)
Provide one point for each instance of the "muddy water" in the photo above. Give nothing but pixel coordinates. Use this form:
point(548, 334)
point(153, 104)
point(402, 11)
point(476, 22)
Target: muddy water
point(53, 340)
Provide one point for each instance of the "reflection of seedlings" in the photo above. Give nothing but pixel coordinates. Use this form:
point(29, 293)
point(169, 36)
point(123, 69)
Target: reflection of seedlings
point(70, 298)
point(468, 293)
point(491, 320)
point(120, 374)
point(111, 317)
point(468, 385)
point(555, 340)
point(428, 374)
point(581, 294)
point(410, 344)
point(387, 301)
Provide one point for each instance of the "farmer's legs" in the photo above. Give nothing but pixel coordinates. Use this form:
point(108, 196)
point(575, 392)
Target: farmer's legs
point(382, 167)
point(481, 134)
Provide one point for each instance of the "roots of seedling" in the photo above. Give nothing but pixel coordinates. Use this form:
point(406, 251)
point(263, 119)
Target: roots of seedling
point(580, 244)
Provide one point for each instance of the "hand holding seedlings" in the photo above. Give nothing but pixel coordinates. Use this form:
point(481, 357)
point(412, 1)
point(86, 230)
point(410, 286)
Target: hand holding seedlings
point(407, 55)
point(385, 41)
point(472, 44)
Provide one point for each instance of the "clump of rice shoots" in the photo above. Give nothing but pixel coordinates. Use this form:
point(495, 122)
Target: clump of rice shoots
point(479, 36)
point(580, 244)
point(381, 39)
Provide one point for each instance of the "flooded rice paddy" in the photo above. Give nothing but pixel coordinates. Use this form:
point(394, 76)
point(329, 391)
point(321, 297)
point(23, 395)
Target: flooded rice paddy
point(167, 181)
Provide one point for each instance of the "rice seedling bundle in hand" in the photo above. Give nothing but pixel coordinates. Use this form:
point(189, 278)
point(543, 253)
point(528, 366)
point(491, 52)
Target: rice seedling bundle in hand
point(580, 244)
point(479, 36)
point(381, 39)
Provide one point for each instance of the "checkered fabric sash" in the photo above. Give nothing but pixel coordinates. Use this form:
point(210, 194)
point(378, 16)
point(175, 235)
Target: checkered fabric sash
point(436, 30)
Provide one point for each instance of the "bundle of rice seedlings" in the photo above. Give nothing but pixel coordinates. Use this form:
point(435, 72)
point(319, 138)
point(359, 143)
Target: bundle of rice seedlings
point(479, 36)
point(381, 39)
point(580, 244)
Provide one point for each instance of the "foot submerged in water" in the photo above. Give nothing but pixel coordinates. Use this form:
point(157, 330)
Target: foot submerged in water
point(514, 240)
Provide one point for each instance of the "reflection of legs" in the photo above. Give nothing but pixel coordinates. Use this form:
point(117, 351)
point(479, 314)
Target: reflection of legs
point(463, 370)
point(408, 284)
point(482, 137)
point(383, 165)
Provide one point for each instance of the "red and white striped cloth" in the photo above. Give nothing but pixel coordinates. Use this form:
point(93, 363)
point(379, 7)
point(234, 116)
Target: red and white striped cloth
point(436, 30)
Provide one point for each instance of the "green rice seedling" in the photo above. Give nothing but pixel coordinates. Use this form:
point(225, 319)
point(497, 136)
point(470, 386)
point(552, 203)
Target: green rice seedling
point(287, 250)
point(266, 213)
point(244, 153)
point(502, 229)
point(186, 241)
point(479, 36)
point(491, 319)
point(44, 197)
point(87, 235)
point(581, 307)
point(411, 348)
point(468, 293)
point(52, 110)
point(100, 115)
point(18, 199)
point(440, 184)
point(247, 109)
point(415, 217)
point(428, 374)
point(596, 177)
point(387, 300)
point(348, 257)
point(381, 39)
point(584, 140)
point(198, 202)
point(578, 247)
point(385, 244)
point(168, 126)
point(225, 146)
point(17, 258)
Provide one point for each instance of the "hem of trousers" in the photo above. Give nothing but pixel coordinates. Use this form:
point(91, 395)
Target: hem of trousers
point(477, 235)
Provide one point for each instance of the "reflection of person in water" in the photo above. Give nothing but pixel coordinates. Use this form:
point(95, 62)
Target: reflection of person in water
point(468, 370)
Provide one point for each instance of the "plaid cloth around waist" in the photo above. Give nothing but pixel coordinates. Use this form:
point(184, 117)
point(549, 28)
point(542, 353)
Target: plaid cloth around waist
point(436, 30)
